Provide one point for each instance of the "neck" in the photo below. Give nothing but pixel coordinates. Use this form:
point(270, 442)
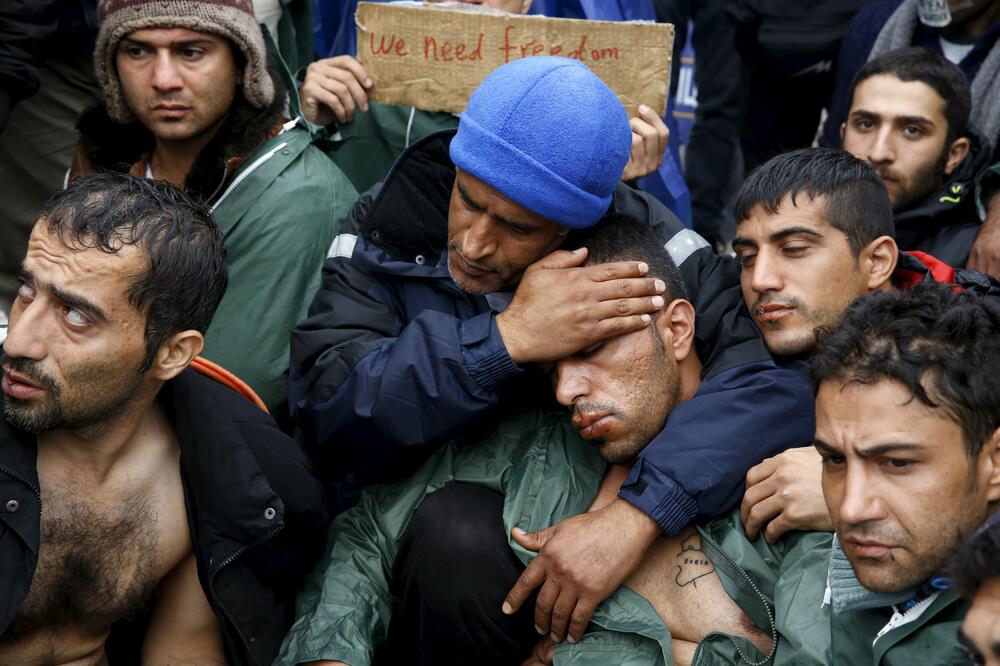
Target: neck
point(172, 160)
point(977, 23)
point(689, 376)
point(95, 451)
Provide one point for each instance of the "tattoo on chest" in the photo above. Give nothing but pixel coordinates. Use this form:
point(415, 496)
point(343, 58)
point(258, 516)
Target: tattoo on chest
point(95, 567)
point(692, 563)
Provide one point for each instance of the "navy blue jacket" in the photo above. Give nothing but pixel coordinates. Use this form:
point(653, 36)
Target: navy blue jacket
point(395, 359)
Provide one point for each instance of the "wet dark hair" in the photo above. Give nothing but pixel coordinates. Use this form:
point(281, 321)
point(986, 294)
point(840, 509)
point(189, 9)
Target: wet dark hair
point(618, 237)
point(977, 560)
point(933, 69)
point(857, 201)
point(943, 346)
point(186, 273)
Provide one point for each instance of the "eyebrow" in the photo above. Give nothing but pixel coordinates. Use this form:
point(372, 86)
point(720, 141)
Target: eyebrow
point(899, 120)
point(72, 300)
point(184, 43)
point(472, 203)
point(872, 452)
point(779, 235)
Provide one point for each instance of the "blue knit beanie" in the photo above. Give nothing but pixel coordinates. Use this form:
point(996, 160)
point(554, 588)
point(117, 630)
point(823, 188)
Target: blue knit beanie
point(548, 134)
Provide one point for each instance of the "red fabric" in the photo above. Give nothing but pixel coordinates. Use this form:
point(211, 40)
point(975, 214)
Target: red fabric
point(223, 376)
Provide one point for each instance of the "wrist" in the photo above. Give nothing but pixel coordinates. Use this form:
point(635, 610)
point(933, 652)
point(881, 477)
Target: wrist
point(642, 526)
point(508, 335)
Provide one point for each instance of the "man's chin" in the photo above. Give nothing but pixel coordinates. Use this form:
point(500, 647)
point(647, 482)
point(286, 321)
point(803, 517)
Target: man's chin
point(790, 343)
point(34, 418)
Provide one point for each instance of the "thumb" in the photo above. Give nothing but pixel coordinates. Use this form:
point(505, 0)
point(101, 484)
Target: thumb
point(531, 540)
point(563, 259)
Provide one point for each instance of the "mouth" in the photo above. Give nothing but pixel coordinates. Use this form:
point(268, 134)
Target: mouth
point(866, 549)
point(171, 110)
point(593, 426)
point(773, 311)
point(18, 386)
point(470, 269)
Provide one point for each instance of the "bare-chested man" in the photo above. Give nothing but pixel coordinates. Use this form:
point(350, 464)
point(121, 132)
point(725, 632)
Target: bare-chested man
point(133, 487)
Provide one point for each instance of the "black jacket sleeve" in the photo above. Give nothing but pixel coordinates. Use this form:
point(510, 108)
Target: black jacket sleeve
point(24, 27)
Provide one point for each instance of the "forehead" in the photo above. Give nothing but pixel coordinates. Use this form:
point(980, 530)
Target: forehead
point(857, 416)
point(805, 212)
point(101, 277)
point(496, 202)
point(888, 96)
point(167, 36)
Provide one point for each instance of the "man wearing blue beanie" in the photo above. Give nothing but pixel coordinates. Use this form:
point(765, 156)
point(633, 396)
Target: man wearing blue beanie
point(455, 278)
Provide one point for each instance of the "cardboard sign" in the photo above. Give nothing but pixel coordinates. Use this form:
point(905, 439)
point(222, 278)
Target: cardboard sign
point(434, 57)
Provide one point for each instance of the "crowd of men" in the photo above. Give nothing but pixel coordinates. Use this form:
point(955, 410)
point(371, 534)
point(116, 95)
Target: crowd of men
point(476, 399)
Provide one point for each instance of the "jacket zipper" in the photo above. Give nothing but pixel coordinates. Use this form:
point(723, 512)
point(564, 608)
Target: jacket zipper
point(12, 473)
point(256, 164)
point(225, 563)
point(763, 599)
point(899, 619)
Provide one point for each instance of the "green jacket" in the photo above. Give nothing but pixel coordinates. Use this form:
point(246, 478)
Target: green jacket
point(279, 214)
point(547, 473)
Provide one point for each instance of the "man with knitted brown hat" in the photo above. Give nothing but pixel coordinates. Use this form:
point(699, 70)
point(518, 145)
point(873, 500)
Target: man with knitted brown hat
point(189, 99)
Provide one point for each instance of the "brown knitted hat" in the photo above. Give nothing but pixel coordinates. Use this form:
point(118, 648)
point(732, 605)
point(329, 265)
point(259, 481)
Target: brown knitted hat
point(232, 19)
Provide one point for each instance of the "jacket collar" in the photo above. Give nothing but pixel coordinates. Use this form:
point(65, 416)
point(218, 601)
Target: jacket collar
point(409, 215)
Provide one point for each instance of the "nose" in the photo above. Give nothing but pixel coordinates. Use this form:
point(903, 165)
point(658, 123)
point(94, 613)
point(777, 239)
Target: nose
point(860, 501)
point(25, 336)
point(165, 74)
point(765, 275)
point(570, 381)
point(882, 149)
point(480, 239)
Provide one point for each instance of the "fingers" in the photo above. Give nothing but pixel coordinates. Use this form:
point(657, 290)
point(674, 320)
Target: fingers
point(615, 270)
point(562, 259)
point(776, 528)
point(338, 84)
point(610, 328)
point(580, 619)
point(661, 132)
point(532, 576)
point(761, 471)
point(762, 513)
point(754, 494)
point(631, 306)
point(614, 290)
point(530, 540)
point(562, 610)
point(546, 600)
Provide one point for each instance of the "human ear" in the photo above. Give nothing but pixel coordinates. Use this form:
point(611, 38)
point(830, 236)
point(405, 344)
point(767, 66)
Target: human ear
point(676, 324)
point(956, 153)
point(992, 453)
point(843, 130)
point(176, 354)
point(878, 262)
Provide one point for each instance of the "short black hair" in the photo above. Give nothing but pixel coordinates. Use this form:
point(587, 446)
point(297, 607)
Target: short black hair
point(186, 273)
point(933, 69)
point(977, 560)
point(942, 345)
point(857, 201)
point(618, 237)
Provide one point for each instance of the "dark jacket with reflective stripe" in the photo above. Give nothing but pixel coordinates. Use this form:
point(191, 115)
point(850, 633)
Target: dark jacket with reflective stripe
point(395, 359)
point(255, 510)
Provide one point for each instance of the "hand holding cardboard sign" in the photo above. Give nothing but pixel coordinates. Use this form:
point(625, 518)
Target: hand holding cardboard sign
point(334, 89)
point(649, 143)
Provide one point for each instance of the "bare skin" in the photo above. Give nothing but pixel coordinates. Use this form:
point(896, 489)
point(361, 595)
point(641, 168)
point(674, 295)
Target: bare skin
point(680, 583)
point(114, 532)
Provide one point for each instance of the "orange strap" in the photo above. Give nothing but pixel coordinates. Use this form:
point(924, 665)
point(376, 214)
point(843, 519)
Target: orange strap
point(223, 376)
